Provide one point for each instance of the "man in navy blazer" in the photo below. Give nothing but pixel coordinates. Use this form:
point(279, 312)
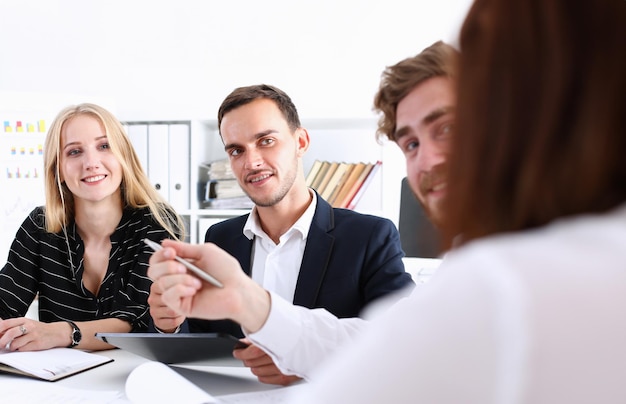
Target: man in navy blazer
point(293, 242)
point(350, 260)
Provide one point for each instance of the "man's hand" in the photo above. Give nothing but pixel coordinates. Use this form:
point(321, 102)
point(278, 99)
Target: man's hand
point(262, 366)
point(165, 319)
point(241, 299)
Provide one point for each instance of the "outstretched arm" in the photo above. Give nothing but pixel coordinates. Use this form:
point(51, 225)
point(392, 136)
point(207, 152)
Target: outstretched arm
point(296, 338)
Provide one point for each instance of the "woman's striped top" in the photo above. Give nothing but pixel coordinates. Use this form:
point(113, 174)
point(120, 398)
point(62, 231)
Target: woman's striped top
point(39, 264)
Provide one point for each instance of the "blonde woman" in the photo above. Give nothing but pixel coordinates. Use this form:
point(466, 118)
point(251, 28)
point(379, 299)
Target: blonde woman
point(82, 253)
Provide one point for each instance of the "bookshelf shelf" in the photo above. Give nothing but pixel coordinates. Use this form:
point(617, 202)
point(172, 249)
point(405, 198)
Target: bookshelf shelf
point(341, 140)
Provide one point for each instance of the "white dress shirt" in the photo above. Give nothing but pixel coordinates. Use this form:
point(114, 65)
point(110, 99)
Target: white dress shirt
point(276, 266)
point(530, 317)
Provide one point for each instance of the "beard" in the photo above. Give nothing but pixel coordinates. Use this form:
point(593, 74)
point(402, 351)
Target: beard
point(283, 188)
point(434, 209)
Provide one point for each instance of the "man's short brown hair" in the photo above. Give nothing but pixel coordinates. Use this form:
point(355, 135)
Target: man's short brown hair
point(439, 59)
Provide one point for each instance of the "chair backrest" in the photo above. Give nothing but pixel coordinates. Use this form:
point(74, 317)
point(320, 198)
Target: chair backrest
point(418, 235)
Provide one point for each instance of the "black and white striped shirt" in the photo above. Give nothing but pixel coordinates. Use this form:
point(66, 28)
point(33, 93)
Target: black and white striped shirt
point(39, 263)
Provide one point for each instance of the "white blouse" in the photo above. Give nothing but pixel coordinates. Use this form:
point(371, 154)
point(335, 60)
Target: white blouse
point(530, 317)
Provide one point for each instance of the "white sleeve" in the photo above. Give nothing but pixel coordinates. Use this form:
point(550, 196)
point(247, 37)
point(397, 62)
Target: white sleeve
point(440, 345)
point(298, 339)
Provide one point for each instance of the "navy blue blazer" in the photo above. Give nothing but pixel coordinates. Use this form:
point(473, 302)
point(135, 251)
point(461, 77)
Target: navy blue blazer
point(350, 260)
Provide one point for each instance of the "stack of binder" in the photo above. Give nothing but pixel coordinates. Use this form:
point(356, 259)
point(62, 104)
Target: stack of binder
point(222, 189)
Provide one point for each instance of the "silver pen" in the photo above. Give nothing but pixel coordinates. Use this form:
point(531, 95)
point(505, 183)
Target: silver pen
point(194, 269)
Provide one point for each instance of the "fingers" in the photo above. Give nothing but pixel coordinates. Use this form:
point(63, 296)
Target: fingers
point(166, 283)
point(208, 257)
point(192, 252)
point(171, 285)
point(278, 379)
point(155, 299)
point(262, 366)
point(162, 264)
point(270, 374)
point(172, 249)
point(174, 301)
point(165, 319)
point(13, 333)
point(188, 296)
point(252, 356)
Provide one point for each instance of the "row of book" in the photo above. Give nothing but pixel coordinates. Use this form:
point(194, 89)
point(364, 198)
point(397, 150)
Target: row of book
point(341, 184)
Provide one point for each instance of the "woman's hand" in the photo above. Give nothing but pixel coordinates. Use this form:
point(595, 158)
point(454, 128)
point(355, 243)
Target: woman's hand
point(25, 334)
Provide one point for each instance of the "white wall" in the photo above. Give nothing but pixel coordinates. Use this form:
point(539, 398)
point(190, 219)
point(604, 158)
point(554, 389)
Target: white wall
point(177, 59)
point(162, 60)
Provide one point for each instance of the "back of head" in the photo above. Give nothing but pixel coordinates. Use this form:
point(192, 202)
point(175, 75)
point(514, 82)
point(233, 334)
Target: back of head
point(541, 115)
point(244, 95)
point(439, 59)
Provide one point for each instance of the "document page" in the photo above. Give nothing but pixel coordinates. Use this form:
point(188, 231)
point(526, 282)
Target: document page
point(155, 382)
point(277, 396)
point(23, 390)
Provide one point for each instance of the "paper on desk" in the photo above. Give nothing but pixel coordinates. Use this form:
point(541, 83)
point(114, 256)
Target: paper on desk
point(154, 382)
point(278, 396)
point(24, 390)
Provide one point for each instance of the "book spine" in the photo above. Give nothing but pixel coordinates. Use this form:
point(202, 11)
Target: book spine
point(359, 193)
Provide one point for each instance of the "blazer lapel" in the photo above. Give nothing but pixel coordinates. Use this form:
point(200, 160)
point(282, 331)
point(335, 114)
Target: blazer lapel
point(242, 250)
point(316, 255)
point(236, 243)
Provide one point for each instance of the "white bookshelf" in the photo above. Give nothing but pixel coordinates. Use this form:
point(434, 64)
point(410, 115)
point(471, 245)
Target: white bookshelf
point(349, 140)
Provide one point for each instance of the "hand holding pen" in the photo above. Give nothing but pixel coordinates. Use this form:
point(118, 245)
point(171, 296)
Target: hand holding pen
point(240, 299)
point(194, 269)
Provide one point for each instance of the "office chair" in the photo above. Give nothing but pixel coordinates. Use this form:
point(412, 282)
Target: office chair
point(418, 236)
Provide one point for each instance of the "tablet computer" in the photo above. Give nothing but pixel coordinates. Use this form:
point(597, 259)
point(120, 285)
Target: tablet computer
point(178, 348)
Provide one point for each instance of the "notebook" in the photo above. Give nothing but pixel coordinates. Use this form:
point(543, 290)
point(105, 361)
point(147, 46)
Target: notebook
point(50, 364)
point(178, 348)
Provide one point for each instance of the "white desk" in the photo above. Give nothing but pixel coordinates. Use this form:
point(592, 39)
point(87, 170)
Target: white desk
point(216, 380)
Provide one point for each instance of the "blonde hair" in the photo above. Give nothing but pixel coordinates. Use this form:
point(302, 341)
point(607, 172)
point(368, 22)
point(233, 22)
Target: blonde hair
point(137, 192)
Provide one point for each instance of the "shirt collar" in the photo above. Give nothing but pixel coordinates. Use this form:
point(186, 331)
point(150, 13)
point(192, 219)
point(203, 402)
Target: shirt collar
point(302, 225)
